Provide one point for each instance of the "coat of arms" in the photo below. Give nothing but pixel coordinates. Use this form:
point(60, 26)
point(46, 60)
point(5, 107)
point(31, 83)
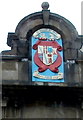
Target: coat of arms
point(47, 51)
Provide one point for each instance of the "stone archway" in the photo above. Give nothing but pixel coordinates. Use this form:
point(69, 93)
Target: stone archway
point(29, 24)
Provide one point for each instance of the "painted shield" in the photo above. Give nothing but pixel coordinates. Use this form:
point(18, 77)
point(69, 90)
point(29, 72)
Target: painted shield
point(47, 54)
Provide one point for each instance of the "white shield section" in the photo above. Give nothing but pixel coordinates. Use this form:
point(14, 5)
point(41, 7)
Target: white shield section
point(47, 54)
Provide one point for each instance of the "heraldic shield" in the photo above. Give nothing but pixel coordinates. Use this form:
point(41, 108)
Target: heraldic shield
point(47, 56)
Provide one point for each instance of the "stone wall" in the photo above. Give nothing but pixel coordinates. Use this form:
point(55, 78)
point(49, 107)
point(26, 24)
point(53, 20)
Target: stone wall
point(22, 98)
point(19, 72)
point(42, 102)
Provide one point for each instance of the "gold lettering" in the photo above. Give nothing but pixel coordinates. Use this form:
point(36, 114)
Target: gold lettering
point(59, 76)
